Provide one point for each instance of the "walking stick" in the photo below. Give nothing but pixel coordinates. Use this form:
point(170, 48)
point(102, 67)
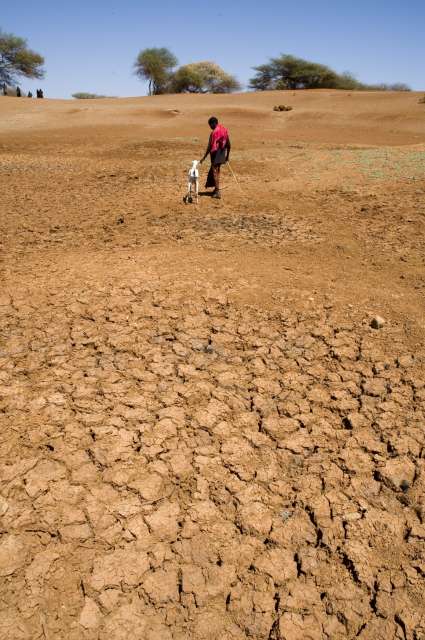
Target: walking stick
point(233, 174)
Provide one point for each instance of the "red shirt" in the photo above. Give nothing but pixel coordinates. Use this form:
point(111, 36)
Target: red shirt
point(219, 138)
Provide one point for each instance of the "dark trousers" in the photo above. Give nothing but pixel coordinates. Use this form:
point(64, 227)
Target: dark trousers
point(213, 178)
point(217, 159)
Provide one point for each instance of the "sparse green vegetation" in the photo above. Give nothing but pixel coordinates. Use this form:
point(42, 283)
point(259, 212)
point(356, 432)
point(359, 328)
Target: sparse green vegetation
point(289, 72)
point(203, 77)
point(17, 60)
point(88, 96)
point(156, 66)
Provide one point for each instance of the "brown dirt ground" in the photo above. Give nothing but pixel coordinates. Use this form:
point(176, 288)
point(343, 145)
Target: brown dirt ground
point(201, 436)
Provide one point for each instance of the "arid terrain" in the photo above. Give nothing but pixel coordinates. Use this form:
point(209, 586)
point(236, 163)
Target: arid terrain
point(201, 435)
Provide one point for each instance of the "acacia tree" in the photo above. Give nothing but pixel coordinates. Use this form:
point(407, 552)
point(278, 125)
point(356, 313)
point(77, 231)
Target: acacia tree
point(264, 80)
point(17, 60)
point(289, 72)
point(203, 77)
point(155, 65)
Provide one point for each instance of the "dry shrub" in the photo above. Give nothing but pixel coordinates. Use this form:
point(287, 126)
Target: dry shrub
point(282, 107)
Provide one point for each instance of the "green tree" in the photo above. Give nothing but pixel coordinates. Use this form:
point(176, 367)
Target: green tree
point(203, 77)
point(264, 80)
point(17, 60)
point(155, 66)
point(348, 81)
point(289, 72)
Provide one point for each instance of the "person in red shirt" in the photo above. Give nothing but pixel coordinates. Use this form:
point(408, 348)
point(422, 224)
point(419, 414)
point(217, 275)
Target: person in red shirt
point(219, 150)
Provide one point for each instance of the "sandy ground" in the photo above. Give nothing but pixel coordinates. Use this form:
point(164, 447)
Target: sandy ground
point(201, 436)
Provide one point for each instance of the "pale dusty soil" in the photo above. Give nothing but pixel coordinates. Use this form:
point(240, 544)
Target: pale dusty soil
point(201, 436)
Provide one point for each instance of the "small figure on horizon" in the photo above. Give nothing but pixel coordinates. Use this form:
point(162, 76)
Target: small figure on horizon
point(40, 93)
point(219, 150)
point(4, 88)
point(29, 94)
point(18, 92)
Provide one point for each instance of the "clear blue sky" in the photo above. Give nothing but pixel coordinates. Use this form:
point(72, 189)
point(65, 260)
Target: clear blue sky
point(91, 45)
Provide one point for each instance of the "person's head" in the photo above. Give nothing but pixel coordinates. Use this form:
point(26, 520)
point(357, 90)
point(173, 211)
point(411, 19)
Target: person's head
point(213, 122)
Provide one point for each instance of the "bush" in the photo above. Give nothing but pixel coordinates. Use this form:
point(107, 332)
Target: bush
point(398, 86)
point(282, 107)
point(88, 96)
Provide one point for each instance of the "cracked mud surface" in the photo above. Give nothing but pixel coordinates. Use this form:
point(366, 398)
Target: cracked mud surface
point(201, 435)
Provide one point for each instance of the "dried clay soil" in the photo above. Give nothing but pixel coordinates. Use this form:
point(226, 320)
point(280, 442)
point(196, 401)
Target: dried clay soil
point(201, 436)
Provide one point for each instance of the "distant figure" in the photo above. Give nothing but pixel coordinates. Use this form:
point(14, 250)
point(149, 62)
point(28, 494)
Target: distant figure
point(18, 92)
point(40, 93)
point(219, 150)
point(4, 87)
point(29, 94)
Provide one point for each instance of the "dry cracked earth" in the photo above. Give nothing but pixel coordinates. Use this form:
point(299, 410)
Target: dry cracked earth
point(201, 436)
